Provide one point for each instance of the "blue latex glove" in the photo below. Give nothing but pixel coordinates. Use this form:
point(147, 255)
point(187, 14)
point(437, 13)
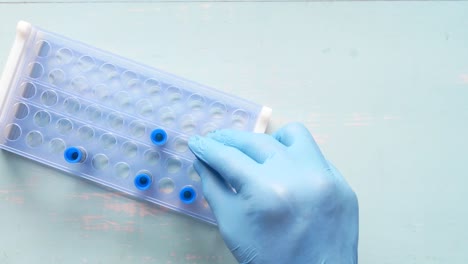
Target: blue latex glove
point(276, 198)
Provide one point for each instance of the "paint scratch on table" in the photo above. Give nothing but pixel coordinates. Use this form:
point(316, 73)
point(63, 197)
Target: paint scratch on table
point(147, 259)
point(88, 196)
point(358, 119)
point(120, 204)
point(464, 77)
point(132, 208)
point(391, 117)
point(99, 222)
point(192, 257)
point(14, 196)
point(136, 10)
point(321, 138)
point(198, 257)
point(322, 119)
point(206, 6)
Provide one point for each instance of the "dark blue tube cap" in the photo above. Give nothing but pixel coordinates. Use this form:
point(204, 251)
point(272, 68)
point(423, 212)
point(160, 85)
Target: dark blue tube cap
point(143, 181)
point(187, 195)
point(159, 137)
point(74, 155)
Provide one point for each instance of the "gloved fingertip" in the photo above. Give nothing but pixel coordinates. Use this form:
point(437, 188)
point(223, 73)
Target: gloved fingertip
point(211, 133)
point(202, 169)
point(197, 144)
point(223, 136)
point(214, 134)
point(193, 139)
point(214, 190)
point(197, 165)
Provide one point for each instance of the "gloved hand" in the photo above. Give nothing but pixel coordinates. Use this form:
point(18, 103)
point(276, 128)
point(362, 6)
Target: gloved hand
point(276, 198)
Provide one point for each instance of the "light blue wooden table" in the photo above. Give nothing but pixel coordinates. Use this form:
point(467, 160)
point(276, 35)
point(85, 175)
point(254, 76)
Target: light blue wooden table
point(383, 87)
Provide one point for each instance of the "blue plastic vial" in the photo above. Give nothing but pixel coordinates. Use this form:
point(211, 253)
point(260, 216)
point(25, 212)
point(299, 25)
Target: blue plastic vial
point(143, 181)
point(159, 137)
point(187, 195)
point(74, 155)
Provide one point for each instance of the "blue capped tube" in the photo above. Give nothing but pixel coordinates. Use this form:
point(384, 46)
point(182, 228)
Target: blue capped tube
point(187, 194)
point(74, 155)
point(158, 137)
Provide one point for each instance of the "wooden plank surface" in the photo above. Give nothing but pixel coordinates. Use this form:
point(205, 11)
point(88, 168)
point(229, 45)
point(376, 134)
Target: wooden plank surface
point(382, 85)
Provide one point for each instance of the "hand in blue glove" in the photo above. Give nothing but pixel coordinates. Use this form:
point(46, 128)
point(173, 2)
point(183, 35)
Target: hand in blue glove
point(276, 198)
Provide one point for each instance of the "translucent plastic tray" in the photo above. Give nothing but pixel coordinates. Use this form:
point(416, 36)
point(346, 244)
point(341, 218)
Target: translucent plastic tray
point(111, 120)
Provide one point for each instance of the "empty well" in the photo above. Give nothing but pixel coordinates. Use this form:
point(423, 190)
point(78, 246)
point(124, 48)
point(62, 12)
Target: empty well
point(29, 90)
